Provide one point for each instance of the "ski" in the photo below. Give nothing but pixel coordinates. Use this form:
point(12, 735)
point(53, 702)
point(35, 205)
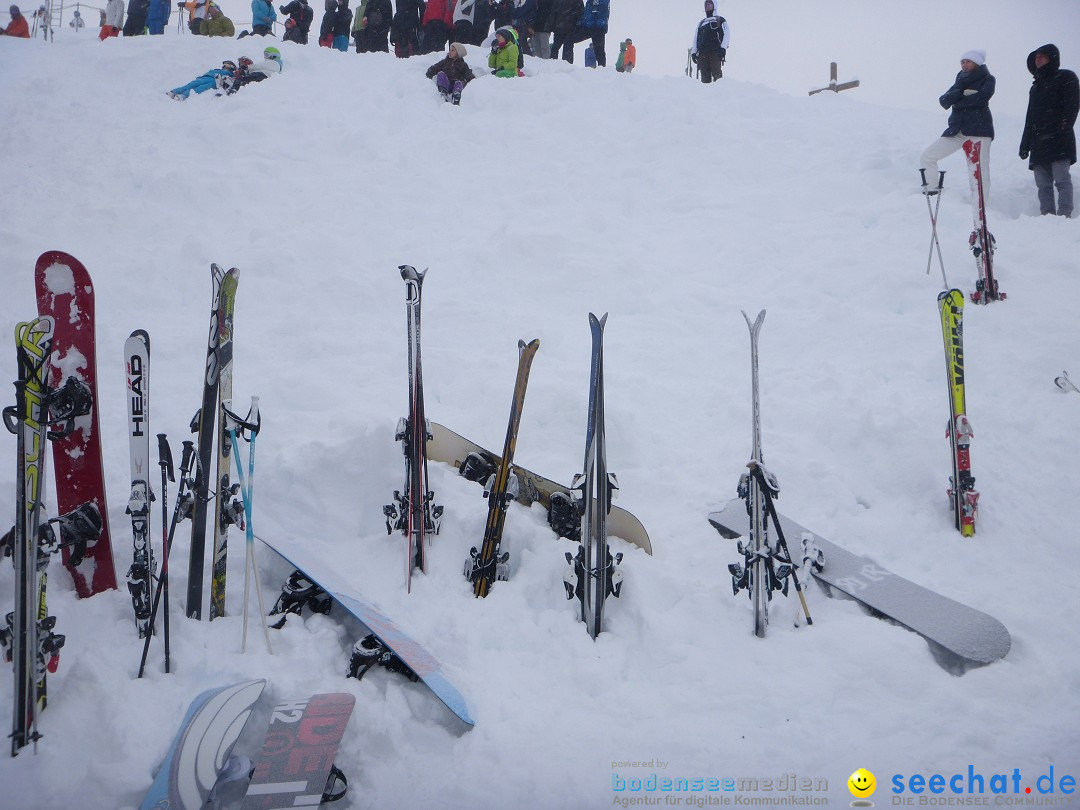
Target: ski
point(203, 425)
point(141, 572)
point(757, 573)
point(28, 421)
point(981, 241)
point(594, 575)
point(962, 494)
point(487, 564)
point(1065, 384)
point(296, 765)
point(66, 293)
point(413, 511)
point(228, 509)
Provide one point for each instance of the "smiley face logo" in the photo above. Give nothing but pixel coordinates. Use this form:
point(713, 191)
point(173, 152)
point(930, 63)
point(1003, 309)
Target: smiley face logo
point(862, 783)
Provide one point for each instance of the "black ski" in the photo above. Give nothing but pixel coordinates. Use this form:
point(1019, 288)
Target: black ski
point(594, 574)
point(486, 565)
point(413, 511)
point(203, 425)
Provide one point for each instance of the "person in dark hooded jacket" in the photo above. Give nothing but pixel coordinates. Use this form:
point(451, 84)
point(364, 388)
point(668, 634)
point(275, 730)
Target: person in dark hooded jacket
point(300, 16)
point(969, 119)
point(1048, 142)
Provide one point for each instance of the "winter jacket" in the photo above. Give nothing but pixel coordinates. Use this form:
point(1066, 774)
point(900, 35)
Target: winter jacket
point(627, 56)
point(1053, 102)
point(465, 11)
point(221, 26)
point(456, 70)
point(17, 28)
point(300, 13)
point(970, 110)
point(595, 16)
point(523, 17)
point(565, 16)
point(262, 13)
point(439, 10)
point(712, 35)
point(158, 16)
point(114, 13)
point(504, 61)
point(337, 22)
point(545, 15)
point(358, 21)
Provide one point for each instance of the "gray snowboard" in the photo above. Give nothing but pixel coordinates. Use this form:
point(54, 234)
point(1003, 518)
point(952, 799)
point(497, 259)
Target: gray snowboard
point(450, 448)
point(963, 631)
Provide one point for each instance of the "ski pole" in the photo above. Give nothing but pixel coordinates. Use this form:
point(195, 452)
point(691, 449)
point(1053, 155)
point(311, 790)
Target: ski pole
point(755, 470)
point(933, 223)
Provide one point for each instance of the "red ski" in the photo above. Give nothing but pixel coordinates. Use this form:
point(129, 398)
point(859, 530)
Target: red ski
point(981, 240)
point(66, 293)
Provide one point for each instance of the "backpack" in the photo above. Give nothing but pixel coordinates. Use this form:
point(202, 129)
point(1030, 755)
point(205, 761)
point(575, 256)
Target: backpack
point(710, 35)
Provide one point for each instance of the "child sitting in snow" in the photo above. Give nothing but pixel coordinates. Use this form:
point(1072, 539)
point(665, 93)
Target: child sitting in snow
point(452, 73)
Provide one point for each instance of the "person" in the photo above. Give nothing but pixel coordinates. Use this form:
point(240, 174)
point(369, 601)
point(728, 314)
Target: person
point(326, 27)
point(540, 40)
point(299, 23)
point(1048, 142)
point(503, 59)
point(215, 78)
point(405, 30)
point(135, 24)
point(249, 73)
point(217, 24)
point(711, 41)
point(44, 14)
point(482, 19)
point(114, 19)
point(594, 26)
point(263, 17)
point(969, 120)
point(196, 13)
point(627, 56)
point(371, 24)
point(437, 23)
point(77, 21)
point(157, 17)
point(18, 26)
point(523, 18)
point(452, 73)
point(464, 15)
point(565, 16)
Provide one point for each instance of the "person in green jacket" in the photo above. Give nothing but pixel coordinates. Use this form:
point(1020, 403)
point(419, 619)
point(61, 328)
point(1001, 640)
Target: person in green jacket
point(217, 24)
point(503, 59)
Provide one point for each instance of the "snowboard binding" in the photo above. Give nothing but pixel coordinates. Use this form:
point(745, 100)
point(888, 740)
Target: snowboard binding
point(297, 593)
point(564, 516)
point(370, 651)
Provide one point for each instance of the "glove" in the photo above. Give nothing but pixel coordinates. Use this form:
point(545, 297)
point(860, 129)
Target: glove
point(694, 57)
point(1023, 154)
point(970, 92)
point(723, 55)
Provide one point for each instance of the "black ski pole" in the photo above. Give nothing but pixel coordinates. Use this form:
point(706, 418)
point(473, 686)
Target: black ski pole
point(928, 193)
point(766, 490)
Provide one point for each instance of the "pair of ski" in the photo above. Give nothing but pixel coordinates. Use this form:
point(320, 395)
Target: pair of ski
point(295, 767)
point(981, 241)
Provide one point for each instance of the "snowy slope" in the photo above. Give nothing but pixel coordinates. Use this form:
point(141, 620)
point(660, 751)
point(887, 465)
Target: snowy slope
point(668, 204)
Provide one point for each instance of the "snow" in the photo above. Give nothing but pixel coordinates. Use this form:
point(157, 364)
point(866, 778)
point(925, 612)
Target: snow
point(668, 204)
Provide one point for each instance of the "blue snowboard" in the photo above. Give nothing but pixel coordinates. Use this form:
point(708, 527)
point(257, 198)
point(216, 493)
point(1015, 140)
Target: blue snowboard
point(201, 748)
point(419, 660)
point(965, 632)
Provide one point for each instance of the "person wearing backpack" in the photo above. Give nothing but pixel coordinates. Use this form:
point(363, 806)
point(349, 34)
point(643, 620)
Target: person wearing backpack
point(711, 40)
point(300, 16)
point(594, 26)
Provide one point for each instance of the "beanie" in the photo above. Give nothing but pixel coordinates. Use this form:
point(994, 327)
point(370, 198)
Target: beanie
point(461, 51)
point(976, 56)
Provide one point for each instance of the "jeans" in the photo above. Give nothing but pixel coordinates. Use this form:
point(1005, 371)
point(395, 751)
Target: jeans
point(1048, 175)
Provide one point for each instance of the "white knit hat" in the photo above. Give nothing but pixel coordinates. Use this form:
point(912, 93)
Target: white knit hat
point(976, 56)
point(460, 48)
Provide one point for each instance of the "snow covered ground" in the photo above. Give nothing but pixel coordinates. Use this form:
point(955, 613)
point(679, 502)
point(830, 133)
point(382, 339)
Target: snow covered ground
point(670, 205)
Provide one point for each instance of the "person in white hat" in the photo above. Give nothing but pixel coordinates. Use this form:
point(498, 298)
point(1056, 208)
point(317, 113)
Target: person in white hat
point(969, 120)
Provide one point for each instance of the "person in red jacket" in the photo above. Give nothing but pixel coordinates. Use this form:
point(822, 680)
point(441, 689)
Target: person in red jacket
point(17, 27)
point(437, 24)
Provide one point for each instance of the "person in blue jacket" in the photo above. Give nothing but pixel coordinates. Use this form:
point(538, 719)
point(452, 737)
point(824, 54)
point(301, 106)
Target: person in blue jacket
point(594, 25)
point(262, 18)
point(214, 78)
point(157, 18)
point(969, 120)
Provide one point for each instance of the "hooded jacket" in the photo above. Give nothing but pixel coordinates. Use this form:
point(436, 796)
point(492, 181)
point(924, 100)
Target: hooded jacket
point(970, 111)
point(504, 61)
point(1051, 114)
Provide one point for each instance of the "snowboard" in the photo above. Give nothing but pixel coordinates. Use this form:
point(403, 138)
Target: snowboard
point(961, 630)
point(200, 750)
point(65, 292)
point(298, 752)
point(448, 447)
point(415, 657)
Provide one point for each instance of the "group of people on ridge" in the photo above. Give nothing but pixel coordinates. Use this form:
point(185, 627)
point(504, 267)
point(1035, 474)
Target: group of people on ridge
point(1048, 141)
